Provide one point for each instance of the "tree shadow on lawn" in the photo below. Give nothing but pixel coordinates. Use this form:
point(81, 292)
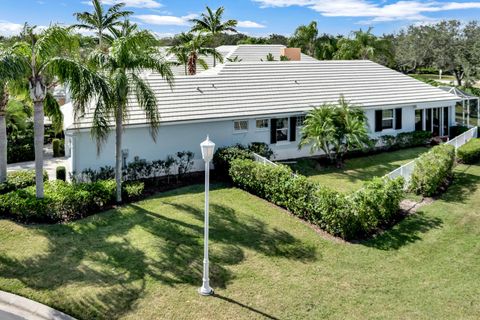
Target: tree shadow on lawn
point(407, 231)
point(463, 186)
point(109, 268)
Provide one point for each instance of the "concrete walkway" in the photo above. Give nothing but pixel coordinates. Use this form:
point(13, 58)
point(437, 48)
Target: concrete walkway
point(13, 307)
point(50, 164)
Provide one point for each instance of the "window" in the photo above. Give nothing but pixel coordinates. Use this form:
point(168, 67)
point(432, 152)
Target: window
point(240, 125)
point(300, 121)
point(387, 119)
point(261, 124)
point(282, 129)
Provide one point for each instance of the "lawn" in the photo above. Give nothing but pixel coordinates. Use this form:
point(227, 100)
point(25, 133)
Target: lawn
point(356, 170)
point(143, 261)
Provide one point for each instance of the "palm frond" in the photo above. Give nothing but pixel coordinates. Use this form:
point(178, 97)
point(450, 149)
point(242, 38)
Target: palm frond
point(147, 101)
point(52, 110)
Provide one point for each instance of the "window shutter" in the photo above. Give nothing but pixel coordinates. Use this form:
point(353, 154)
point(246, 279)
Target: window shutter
point(273, 131)
point(293, 128)
point(378, 120)
point(398, 118)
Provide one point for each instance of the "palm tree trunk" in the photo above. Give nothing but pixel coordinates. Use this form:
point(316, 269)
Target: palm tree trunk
point(214, 61)
point(39, 132)
point(118, 153)
point(3, 146)
point(192, 64)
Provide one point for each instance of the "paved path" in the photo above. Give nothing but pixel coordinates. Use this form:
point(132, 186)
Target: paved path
point(13, 307)
point(50, 164)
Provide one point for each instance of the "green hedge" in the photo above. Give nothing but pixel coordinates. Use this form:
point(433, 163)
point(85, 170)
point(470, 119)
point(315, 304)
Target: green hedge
point(433, 170)
point(61, 173)
point(63, 201)
point(348, 216)
point(469, 153)
point(58, 146)
point(20, 179)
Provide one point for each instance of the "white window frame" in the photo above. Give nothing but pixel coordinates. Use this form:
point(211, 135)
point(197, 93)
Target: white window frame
point(388, 118)
point(235, 130)
point(287, 140)
point(265, 128)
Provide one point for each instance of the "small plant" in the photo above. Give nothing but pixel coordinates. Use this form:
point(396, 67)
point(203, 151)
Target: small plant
point(168, 164)
point(184, 162)
point(133, 190)
point(138, 169)
point(269, 57)
point(284, 58)
point(61, 173)
point(58, 148)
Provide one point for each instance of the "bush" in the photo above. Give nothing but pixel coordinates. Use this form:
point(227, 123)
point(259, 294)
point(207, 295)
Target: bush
point(433, 170)
point(133, 190)
point(406, 140)
point(62, 201)
point(261, 149)
point(225, 155)
point(58, 148)
point(469, 153)
point(346, 216)
point(61, 173)
point(457, 130)
point(19, 180)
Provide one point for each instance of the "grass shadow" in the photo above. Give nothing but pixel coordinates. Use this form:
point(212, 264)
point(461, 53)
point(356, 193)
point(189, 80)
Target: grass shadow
point(407, 231)
point(110, 267)
point(463, 186)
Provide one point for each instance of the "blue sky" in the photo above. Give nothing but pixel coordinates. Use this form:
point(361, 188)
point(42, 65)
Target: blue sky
point(256, 17)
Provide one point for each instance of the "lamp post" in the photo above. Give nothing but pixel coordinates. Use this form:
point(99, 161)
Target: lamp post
point(207, 147)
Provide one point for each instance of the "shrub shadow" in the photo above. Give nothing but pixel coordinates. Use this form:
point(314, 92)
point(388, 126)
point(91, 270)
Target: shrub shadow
point(407, 231)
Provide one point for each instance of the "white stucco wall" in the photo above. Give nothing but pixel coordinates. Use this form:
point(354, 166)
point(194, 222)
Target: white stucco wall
point(188, 136)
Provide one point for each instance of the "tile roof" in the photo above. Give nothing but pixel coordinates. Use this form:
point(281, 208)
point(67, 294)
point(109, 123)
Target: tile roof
point(254, 88)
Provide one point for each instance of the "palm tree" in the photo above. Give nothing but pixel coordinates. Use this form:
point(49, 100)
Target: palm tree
point(364, 45)
point(181, 56)
point(194, 46)
point(211, 22)
point(122, 67)
point(305, 37)
point(99, 20)
point(36, 60)
point(335, 129)
point(3, 129)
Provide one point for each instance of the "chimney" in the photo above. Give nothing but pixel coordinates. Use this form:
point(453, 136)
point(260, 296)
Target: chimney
point(293, 54)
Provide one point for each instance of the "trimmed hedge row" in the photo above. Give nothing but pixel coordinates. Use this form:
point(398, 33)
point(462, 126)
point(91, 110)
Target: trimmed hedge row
point(433, 170)
point(469, 153)
point(63, 201)
point(348, 216)
point(19, 180)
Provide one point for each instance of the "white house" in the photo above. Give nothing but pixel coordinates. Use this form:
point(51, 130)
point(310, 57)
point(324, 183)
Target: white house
point(259, 101)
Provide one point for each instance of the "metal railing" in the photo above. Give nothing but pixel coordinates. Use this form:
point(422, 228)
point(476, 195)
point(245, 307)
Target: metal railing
point(406, 170)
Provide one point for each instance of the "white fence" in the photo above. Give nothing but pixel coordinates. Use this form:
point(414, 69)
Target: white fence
point(406, 170)
point(259, 158)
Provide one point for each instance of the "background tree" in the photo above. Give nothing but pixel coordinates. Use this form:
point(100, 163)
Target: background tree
point(305, 37)
point(122, 66)
point(3, 128)
point(335, 129)
point(211, 23)
point(364, 45)
point(100, 20)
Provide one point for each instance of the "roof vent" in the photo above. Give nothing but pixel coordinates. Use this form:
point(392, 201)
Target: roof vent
point(293, 54)
point(199, 90)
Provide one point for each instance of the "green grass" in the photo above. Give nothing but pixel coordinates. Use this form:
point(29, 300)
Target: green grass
point(144, 261)
point(356, 170)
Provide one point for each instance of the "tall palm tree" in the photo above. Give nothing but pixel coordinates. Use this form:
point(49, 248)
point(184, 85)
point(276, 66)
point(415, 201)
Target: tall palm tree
point(305, 37)
point(100, 20)
point(195, 46)
point(122, 66)
point(3, 129)
point(33, 62)
point(211, 23)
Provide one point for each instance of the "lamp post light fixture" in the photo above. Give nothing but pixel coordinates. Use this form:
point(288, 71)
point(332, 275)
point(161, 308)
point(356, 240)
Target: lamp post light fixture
point(207, 147)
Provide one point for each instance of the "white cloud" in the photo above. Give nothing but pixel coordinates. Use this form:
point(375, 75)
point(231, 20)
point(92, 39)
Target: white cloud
point(377, 12)
point(166, 20)
point(249, 24)
point(149, 4)
point(8, 29)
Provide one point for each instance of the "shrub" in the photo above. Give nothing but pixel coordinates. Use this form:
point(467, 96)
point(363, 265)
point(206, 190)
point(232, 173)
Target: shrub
point(406, 140)
point(184, 162)
point(62, 201)
point(469, 153)
point(20, 179)
point(339, 214)
point(58, 147)
point(133, 190)
point(457, 130)
point(433, 170)
point(61, 173)
point(225, 155)
point(260, 148)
